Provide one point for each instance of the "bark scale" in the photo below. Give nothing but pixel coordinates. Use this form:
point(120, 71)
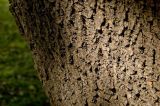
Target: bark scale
point(93, 52)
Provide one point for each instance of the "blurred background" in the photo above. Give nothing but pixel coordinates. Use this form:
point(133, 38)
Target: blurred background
point(19, 84)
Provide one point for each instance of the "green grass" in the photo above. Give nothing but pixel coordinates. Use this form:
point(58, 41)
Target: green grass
point(19, 85)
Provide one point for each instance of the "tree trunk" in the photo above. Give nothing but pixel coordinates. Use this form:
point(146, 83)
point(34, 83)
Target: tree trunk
point(94, 52)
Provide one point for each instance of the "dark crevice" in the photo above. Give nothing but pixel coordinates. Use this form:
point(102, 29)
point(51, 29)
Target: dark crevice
point(156, 90)
point(89, 63)
point(83, 19)
point(125, 95)
point(99, 64)
point(104, 22)
point(86, 103)
point(71, 60)
point(70, 45)
point(98, 77)
point(96, 70)
point(134, 73)
point(95, 98)
point(61, 24)
point(109, 0)
point(96, 88)
point(82, 1)
point(126, 15)
point(110, 40)
point(127, 104)
point(154, 7)
point(107, 26)
point(144, 64)
point(100, 31)
point(84, 74)
point(118, 59)
point(107, 100)
point(113, 90)
point(142, 49)
point(47, 74)
point(144, 88)
point(154, 56)
point(95, 8)
point(143, 78)
point(63, 66)
point(84, 45)
point(157, 100)
point(84, 30)
point(72, 11)
point(32, 45)
point(151, 23)
point(90, 69)
point(97, 40)
point(132, 30)
point(123, 31)
point(92, 17)
point(137, 95)
point(60, 100)
point(124, 70)
point(128, 45)
point(100, 52)
point(71, 22)
point(114, 13)
point(158, 35)
point(79, 79)
point(62, 52)
point(144, 5)
point(59, 35)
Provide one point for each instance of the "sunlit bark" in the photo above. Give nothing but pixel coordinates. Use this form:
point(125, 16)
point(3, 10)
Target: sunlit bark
point(94, 52)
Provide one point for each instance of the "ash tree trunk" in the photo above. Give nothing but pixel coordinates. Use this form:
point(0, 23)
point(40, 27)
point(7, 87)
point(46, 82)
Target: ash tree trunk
point(94, 52)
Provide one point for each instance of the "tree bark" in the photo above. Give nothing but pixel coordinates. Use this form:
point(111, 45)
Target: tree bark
point(94, 52)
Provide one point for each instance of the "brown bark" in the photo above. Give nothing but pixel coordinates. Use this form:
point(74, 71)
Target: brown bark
point(94, 52)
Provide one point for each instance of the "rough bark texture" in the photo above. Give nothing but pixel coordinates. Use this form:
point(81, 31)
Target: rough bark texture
point(94, 52)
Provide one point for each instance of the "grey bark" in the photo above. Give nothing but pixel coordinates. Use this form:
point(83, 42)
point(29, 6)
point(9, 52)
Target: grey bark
point(94, 52)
